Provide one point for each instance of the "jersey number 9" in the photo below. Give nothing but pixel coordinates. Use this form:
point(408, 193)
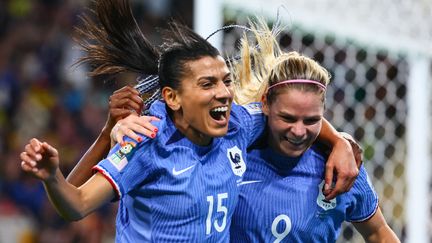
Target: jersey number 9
point(281, 235)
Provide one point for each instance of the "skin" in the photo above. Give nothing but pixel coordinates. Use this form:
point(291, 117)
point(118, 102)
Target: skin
point(209, 89)
point(294, 121)
point(376, 229)
point(207, 86)
point(122, 103)
point(337, 167)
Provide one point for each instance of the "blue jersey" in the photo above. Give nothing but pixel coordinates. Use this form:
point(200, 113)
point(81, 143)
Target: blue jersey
point(281, 200)
point(172, 190)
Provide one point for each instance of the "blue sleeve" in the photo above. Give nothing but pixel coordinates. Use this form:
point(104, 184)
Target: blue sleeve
point(251, 119)
point(127, 165)
point(365, 199)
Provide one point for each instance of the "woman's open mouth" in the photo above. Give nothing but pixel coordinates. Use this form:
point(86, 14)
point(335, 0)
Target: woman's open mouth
point(219, 113)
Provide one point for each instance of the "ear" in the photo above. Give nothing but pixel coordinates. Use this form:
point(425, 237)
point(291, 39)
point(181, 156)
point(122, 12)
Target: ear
point(265, 106)
point(171, 98)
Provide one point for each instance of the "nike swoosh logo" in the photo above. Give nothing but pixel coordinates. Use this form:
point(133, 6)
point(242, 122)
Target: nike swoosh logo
point(248, 182)
point(178, 172)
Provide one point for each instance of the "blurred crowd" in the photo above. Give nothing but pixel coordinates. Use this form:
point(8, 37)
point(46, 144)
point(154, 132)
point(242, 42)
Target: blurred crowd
point(42, 94)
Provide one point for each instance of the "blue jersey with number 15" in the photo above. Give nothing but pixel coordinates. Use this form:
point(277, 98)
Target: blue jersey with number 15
point(171, 190)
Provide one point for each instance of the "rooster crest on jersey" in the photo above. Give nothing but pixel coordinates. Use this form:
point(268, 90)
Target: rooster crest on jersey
point(236, 160)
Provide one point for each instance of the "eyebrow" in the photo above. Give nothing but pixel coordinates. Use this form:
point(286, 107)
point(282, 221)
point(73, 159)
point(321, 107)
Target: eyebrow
point(213, 78)
point(287, 115)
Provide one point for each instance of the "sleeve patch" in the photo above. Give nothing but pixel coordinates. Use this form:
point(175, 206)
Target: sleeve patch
point(118, 158)
point(253, 108)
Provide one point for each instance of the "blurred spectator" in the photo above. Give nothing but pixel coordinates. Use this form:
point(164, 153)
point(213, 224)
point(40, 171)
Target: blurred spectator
point(42, 95)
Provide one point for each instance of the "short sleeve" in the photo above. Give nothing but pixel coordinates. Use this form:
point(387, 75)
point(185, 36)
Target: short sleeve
point(365, 199)
point(126, 166)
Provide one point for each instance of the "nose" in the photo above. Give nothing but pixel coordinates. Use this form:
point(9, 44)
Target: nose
point(223, 91)
point(298, 129)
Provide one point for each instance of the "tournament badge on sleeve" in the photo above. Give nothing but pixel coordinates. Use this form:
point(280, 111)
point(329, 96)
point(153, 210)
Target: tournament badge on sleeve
point(238, 165)
point(118, 158)
point(253, 108)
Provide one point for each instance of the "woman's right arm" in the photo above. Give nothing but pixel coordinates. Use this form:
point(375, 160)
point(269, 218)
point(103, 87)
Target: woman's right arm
point(72, 203)
point(122, 103)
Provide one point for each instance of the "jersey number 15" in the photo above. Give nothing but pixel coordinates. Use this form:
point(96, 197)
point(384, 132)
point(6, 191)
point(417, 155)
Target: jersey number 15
point(220, 209)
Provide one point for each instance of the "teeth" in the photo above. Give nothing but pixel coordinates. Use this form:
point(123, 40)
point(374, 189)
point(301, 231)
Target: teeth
point(295, 141)
point(220, 109)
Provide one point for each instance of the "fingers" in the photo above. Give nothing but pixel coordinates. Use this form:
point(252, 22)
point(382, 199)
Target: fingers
point(126, 98)
point(27, 163)
point(31, 155)
point(49, 150)
point(116, 136)
point(126, 89)
point(132, 126)
point(119, 113)
point(344, 182)
point(328, 178)
point(338, 189)
point(33, 150)
point(26, 167)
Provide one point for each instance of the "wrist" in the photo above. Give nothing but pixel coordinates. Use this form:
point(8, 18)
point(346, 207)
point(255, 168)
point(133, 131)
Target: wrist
point(53, 178)
point(105, 133)
point(341, 143)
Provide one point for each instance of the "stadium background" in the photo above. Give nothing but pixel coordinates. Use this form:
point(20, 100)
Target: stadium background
point(377, 51)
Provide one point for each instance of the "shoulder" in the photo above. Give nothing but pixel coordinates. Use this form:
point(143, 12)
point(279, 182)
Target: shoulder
point(248, 118)
point(251, 109)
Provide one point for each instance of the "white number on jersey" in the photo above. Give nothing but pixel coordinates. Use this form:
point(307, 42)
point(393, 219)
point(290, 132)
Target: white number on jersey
point(221, 209)
point(281, 235)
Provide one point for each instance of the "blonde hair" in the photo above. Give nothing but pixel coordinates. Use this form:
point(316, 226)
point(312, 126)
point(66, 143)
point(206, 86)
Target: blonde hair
point(263, 64)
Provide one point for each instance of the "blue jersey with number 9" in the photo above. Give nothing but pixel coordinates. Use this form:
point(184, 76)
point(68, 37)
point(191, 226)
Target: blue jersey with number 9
point(281, 200)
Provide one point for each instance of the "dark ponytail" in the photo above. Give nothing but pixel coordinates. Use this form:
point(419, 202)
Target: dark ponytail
point(114, 43)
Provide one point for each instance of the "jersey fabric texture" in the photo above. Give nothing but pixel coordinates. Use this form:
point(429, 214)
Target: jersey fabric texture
point(281, 200)
point(171, 190)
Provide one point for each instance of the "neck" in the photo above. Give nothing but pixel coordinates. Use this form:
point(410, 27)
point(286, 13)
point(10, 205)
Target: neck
point(190, 133)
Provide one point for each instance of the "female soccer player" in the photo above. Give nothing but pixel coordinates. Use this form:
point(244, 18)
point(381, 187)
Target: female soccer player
point(181, 186)
point(288, 161)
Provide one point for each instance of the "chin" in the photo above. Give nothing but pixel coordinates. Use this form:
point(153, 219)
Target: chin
point(218, 132)
point(292, 153)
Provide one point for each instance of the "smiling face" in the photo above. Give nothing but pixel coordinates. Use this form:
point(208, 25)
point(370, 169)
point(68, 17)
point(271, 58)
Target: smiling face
point(294, 121)
point(202, 104)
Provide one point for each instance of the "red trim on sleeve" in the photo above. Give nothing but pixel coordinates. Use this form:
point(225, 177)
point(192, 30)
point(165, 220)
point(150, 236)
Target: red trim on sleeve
point(107, 176)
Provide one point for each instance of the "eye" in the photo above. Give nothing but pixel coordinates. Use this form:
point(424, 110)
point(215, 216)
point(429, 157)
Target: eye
point(311, 121)
point(288, 119)
point(228, 82)
point(206, 85)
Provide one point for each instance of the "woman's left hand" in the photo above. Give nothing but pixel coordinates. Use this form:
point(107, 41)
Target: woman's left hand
point(131, 126)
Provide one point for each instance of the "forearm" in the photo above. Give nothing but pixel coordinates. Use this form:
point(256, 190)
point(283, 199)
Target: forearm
point(376, 229)
point(66, 198)
point(383, 235)
point(328, 134)
point(83, 169)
